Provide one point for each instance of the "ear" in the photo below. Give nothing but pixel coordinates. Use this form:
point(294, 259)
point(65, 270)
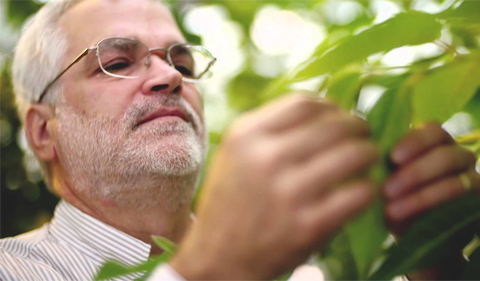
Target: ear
point(39, 125)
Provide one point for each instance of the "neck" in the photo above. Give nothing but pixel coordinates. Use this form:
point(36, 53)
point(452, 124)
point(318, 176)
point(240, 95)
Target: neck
point(138, 220)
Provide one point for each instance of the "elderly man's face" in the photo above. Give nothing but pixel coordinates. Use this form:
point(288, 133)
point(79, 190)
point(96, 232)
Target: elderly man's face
point(107, 137)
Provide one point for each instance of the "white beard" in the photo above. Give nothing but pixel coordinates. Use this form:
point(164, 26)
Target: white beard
point(137, 166)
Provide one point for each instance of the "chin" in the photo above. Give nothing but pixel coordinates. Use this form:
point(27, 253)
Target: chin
point(172, 155)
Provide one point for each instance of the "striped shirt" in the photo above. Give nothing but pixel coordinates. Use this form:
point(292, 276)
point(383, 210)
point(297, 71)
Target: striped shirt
point(73, 246)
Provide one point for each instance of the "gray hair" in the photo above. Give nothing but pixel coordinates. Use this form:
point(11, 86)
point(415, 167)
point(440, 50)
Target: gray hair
point(38, 59)
point(38, 56)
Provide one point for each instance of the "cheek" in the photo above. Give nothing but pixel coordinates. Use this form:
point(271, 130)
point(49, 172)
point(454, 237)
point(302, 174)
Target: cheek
point(108, 99)
point(193, 97)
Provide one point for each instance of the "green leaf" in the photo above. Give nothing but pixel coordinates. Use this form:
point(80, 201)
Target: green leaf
point(411, 28)
point(113, 269)
point(472, 270)
point(445, 90)
point(165, 244)
point(390, 117)
point(365, 248)
point(467, 12)
point(344, 88)
point(243, 92)
point(19, 11)
point(473, 108)
point(337, 259)
point(284, 277)
point(430, 237)
point(389, 121)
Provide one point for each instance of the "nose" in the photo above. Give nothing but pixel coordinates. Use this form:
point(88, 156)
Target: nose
point(162, 78)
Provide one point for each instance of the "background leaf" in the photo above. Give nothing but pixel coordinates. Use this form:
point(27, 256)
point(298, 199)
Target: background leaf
point(411, 28)
point(446, 89)
point(431, 238)
point(344, 88)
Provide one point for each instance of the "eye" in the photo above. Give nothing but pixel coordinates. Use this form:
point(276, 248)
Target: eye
point(184, 70)
point(116, 66)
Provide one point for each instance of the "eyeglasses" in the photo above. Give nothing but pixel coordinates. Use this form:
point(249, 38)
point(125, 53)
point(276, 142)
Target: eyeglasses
point(129, 58)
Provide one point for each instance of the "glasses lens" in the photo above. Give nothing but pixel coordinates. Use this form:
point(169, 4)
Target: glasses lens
point(122, 56)
point(192, 61)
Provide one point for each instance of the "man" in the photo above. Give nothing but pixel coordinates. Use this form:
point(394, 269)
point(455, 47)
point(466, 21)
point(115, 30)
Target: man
point(120, 135)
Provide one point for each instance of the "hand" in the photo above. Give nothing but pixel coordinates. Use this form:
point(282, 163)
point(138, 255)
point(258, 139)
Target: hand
point(431, 169)
point(285, 178)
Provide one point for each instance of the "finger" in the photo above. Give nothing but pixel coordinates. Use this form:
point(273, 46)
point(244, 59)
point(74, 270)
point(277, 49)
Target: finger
point(418, 142)
point(329, 168)
point(335, 209)
point(439, 162)
point(289, 112)
point(439, 192)
point(304, 141)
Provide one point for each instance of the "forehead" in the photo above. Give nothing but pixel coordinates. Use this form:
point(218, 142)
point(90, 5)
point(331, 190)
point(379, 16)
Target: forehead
point(92, 20)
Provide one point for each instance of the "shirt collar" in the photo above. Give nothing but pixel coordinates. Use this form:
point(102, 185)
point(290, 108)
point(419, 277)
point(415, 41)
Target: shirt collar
point(96, 239)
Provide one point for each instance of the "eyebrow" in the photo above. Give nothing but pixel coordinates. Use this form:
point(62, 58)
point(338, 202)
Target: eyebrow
point(169, 43)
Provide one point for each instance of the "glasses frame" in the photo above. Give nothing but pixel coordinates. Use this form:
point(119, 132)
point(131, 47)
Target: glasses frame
point(147, 62)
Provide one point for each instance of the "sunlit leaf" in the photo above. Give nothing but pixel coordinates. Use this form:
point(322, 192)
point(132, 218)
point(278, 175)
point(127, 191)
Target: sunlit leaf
point(344, 88)
point(390, 117)
point(430, 238)
point(473, 108)
point(466, 12)
point(445, 90)
point(411, 28)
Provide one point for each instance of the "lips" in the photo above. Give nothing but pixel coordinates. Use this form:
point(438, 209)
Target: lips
point(164, 112)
